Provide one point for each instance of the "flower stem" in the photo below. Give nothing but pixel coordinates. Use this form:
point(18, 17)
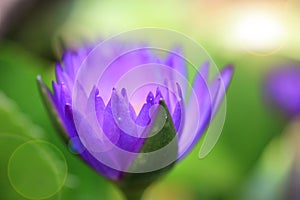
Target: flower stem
point(133, 189)
point(133, 196)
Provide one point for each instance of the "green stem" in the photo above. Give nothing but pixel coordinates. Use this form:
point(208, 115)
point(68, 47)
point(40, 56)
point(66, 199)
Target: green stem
point(132, 190)
point(133, 195)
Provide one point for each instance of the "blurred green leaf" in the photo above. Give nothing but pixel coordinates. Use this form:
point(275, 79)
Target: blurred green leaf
point(18, 70)
point(14, 122)
point(16, 128)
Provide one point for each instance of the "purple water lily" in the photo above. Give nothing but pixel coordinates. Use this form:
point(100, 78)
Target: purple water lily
point(172, 109)
point(282, 89)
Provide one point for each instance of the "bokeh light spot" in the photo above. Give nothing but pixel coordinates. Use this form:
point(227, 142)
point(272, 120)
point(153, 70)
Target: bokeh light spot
point(259, 31)
point(37, 169)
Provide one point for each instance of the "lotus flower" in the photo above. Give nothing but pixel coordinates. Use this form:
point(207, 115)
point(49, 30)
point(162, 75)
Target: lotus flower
point(123, 136)
point(282, 89)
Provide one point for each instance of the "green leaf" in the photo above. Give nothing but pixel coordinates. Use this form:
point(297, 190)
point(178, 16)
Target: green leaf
point(18, 70)
point(16, 128)
point(15, 122)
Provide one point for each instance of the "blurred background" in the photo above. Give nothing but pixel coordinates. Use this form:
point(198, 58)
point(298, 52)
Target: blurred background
point(256, 156)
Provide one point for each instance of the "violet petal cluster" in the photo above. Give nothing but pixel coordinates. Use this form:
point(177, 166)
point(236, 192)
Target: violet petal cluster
point(60, 105)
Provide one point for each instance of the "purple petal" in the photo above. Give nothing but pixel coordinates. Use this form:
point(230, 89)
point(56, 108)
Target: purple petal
point(143, 118)
point(110, 128)
point(56, 92)
point(203, 104)
point(177, 116)
point(65, 97)
point(85, 154)
point(72, 61)
point(119, 126)
point(91, 101)
point(79, 103)
point(119, 67)
point(121, 113)
point(179, 113)
point(158, 96)
point(99, 107)
point(202, 93)
point(176, 61)
point(219, 86)
point(59, 73)
point(69, 64)
point(204, 70)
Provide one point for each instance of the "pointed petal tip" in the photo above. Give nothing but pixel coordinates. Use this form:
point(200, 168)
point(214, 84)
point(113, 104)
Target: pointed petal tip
point(150, 97)
point(42, 86)
point(43, 89)
point(158, 96)
point(228, 69)
point(204, 70)
point(177, 49)
point(226, 74)
point(95, 90)
point(206, 63)
point(123, 92)
point(40, 81)
point(158, 92)
point(39, 78)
